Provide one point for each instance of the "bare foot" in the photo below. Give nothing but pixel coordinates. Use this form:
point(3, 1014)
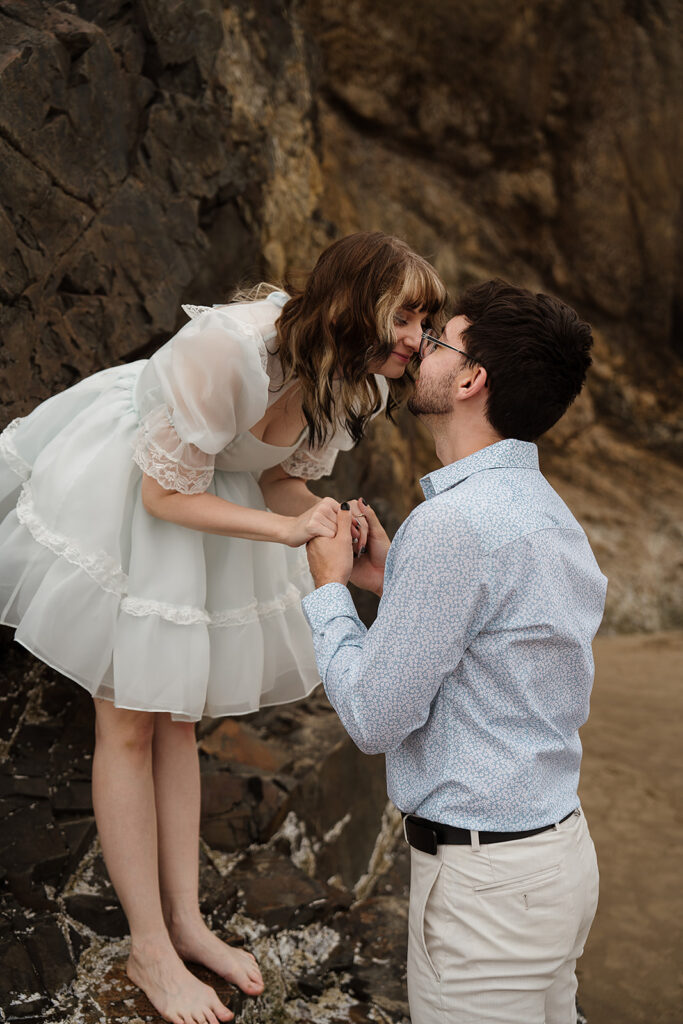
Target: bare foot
point(173, 991)
point(194, 941)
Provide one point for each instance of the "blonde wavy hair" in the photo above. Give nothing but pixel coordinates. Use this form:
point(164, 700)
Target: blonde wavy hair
point(342, 321)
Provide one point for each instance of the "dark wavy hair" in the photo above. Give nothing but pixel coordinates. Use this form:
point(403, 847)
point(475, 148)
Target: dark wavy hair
point(536, 352)
point(342, 321)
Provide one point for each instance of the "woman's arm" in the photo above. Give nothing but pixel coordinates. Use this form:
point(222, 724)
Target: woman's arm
point(211, 514)
point(285, 494)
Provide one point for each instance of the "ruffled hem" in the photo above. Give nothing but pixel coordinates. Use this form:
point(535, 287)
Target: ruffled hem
point(99, 566)
point(177, 714)
point(109, 575)
point(186, 615)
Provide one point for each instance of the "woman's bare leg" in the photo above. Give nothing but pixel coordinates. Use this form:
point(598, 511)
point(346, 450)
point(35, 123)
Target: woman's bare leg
point(177, 791)
point(125, 810)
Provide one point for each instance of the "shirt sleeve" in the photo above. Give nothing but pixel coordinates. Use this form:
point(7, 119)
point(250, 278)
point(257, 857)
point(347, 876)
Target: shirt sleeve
point(205, 386)
point(381, 681)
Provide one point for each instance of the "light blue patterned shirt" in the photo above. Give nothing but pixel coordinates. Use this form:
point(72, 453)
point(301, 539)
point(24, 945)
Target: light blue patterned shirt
point(476, 674)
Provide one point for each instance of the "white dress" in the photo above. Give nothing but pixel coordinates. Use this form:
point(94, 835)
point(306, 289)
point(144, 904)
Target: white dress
point(149, 614)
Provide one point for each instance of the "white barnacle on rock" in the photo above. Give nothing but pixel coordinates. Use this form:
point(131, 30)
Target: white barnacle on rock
point(83, 881)
point(383, 853)
point(303, 850)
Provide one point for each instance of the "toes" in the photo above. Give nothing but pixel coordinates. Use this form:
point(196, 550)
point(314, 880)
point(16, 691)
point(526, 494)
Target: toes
point(223, 1013)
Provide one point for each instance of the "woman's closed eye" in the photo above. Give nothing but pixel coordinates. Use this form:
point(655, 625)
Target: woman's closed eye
point(400, 320)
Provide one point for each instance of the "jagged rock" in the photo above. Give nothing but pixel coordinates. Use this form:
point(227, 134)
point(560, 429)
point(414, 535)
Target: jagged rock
point(218, 897)
point(31, 837)
point(119, 1001)
point(327, 784)
point(380, 927)
point(237, 743)
point(321, 774)
point(152, 154)
point(35, 957)
point(15, 787)
point(103, 914)
point(50, 955)
point(210, 170)
point(73, 796)
point(238, 810)
point(281, 895)
point(21, 993)
point(78, 836)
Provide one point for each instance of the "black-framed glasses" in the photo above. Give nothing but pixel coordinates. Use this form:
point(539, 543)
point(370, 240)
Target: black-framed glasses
point(429, 343)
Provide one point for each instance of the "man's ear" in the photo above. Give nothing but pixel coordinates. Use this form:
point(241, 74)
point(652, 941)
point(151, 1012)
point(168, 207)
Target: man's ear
point(472, 382)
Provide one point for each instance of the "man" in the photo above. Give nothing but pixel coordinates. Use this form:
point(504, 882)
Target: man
point(476, 674)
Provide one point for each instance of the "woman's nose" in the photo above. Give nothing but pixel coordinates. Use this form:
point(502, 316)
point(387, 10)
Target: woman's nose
point(412, 336)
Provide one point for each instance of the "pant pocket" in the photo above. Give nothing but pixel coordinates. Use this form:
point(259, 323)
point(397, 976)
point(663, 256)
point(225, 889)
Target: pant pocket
point(430, 908)
point(519, 882)
point(425, 872)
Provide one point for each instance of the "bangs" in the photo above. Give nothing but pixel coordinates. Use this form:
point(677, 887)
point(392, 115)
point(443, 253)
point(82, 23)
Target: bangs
point(422, 288)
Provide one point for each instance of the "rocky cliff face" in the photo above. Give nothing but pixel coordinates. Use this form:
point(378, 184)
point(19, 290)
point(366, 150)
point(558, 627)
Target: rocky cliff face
point(154, 153)
point(157, 153)
point(536, 142)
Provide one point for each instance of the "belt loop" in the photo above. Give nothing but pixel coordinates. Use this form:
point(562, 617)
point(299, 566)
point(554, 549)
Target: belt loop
point(474, 839)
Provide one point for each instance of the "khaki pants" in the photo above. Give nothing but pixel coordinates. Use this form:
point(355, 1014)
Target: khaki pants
point(495, 930)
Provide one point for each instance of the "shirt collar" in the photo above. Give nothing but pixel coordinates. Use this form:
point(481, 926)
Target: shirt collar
point(507, 454)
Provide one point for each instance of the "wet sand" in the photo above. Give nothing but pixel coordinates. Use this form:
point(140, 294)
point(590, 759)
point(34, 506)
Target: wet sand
point(632, 793)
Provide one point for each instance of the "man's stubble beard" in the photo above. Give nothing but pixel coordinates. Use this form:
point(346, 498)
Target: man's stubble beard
point(436, 400)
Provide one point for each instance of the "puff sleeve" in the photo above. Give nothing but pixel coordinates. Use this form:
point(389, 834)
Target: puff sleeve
point(197, 393)
point(313, 463)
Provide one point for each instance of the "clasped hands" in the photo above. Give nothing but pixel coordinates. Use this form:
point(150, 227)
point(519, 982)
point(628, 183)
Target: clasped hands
point(356, 553)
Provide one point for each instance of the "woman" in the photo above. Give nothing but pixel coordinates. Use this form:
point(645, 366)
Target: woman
point(140, 557)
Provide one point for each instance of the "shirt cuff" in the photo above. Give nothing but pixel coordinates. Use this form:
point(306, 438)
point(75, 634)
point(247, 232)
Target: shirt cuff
point(328, 602)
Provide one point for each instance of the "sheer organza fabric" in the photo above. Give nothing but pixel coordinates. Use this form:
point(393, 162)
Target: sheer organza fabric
point(143, 612)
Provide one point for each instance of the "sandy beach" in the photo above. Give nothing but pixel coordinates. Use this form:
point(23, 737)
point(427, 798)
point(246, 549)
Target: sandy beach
point(632, 776)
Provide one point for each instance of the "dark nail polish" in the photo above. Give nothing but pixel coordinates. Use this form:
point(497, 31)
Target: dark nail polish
point(363, 501)
point(363, 550)
point(345, 505)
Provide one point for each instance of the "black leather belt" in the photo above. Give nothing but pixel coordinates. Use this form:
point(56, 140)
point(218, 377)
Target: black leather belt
point(426, 835)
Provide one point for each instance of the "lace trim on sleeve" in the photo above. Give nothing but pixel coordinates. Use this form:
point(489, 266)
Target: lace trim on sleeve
point(310, 465)
point(161, 454)
point(194, 311)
